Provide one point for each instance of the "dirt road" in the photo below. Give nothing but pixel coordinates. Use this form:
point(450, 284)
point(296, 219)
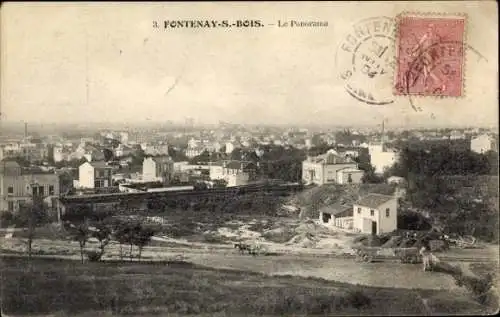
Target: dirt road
point(328, 266)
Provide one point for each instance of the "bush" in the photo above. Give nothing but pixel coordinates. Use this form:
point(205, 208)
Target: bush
point(357, 299)
point(94, 256)
point(477, 286)
point(6, 218)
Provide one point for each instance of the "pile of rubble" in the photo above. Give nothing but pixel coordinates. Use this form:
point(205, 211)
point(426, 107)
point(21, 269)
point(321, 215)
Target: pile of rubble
point(405, 239)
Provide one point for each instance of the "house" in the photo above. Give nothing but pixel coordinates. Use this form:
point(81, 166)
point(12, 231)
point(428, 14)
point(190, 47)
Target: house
point(123, 150)
point(18, 185)
point(375, 214)
point(194, 151)
point(327, 169)
point(94, 155)
point(230, 147)
point(484, 143)
point(396, 180)
point(235, 173)
point(159, 168)
point(338, 215)
point(95, 174)
point(155, 149)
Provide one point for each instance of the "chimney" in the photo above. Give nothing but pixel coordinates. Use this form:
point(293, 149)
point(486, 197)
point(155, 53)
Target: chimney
point(26, 130)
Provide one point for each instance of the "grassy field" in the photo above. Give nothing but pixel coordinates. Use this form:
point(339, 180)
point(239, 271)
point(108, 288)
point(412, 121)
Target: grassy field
point(69, 288)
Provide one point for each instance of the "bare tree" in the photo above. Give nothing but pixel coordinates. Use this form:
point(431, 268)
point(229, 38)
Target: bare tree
point(30, 216)
point(80, 233)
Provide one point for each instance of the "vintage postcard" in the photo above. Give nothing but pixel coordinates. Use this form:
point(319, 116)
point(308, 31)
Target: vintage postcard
point(249, 158)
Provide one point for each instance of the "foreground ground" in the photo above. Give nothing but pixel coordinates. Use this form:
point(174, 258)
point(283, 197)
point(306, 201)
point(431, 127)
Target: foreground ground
point(308, 271)
point(100, 289)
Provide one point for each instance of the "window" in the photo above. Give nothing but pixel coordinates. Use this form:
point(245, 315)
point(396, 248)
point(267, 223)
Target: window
point(349, 178)
point(359, 210)
point(41, 191)
point(372, 212)
point(10, 190)
point(387, 212)
point(51, 189)
point(97, 184)
point(11, 206)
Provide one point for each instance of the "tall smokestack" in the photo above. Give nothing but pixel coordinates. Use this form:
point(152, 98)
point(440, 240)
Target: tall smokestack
point(26, 130)
point(383, 135)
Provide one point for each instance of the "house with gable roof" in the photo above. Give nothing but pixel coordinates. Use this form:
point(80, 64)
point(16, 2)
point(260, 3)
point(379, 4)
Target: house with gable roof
point(375, 214)
point(331, 168)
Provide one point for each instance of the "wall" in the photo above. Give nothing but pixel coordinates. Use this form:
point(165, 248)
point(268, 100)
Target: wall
point(149, 170)
point(330, 171)
point(388, 224)
point(359, 218)
point(318, 172)
point(343, 177)
point(86, 175)
point(384, 224)
point(237, 179)
point(382, 160)
point(482, 144)
point(216, 172)
point(21, 189)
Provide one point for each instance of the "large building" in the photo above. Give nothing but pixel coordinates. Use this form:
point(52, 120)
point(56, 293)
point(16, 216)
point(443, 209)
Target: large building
point(330, 168)
point(95, 174)
point(381, 157)
point(18, 185)
point(160, 168)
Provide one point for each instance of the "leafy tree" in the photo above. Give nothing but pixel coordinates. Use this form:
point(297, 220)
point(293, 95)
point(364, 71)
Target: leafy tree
point(204, 157)
point(142, 236)
point(103, 235)
point(108, 154)
point(177, 155)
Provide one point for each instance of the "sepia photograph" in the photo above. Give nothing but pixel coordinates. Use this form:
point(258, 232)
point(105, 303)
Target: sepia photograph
point(249, 158)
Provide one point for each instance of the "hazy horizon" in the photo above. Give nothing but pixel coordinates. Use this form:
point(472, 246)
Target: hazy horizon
point(105, 63)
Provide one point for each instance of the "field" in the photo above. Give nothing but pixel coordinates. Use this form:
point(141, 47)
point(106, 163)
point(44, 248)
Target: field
point(101, 289)
point(191, 267)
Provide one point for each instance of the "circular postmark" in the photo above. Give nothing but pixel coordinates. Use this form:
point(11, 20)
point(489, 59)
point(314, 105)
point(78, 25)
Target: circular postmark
point(365, 58)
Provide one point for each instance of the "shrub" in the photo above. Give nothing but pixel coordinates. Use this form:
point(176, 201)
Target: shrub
point(357, 299)
point(94, 256)
point(6, 218)
point(477, 286)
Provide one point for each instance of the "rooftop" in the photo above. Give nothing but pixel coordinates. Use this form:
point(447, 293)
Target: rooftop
point(99, 164)
point(331, 157)
point(374, 200)
point(335, 209)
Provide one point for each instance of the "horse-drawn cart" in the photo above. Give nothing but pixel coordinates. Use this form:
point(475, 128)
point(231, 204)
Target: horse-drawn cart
point(404, 255)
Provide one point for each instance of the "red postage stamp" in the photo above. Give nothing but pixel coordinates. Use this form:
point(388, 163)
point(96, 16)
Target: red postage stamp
point(430, 55)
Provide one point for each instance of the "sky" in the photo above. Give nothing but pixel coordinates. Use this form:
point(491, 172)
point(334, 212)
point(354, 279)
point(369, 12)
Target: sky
point(104, 62)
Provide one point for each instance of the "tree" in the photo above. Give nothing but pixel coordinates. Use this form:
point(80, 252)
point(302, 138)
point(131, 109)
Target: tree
point(142, 236)
point(30, 216)
point(204, 157)
point(121, 233)
point(108, 154)
point(103, 235)
point(80, 233)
